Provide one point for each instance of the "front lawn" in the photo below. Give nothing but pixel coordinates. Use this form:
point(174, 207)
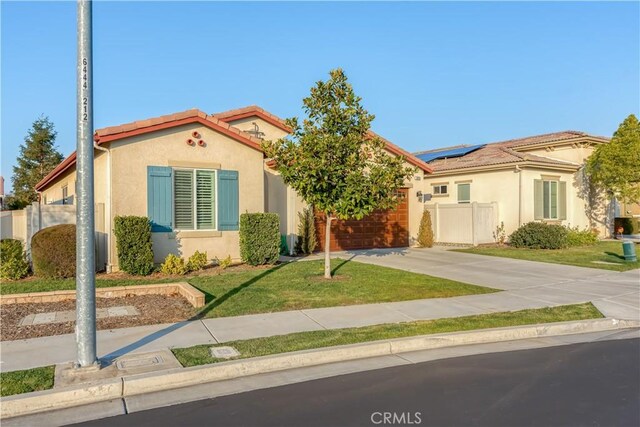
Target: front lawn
point(604, 255)
point(200, 355)
point(290, 286)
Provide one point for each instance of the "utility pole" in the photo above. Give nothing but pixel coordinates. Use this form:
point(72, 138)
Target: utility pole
point(85, 240)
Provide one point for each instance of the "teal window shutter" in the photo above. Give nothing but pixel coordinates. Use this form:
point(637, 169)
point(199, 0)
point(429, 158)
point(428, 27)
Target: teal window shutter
point(160, 198)
point(228, 200)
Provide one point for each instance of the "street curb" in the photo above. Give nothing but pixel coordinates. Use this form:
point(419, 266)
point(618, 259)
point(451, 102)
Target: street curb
point(117, 388)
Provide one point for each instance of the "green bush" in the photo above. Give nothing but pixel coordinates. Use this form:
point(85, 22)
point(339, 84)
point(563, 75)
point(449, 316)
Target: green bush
point(224, 263)
point(628, 225)
point(174, 265)
point(425, 232)
point(306, 242)
point(259, 238)
point(133, 242)
point(13, 262)
point(577, 237)
point(539, 235)
point(197, 261)
point(53, 251)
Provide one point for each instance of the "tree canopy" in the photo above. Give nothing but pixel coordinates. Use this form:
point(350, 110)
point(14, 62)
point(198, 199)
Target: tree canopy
point(333, 160)
point(616, 166)
point(38, 156)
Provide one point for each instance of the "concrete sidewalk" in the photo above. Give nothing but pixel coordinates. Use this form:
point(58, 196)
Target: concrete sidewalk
point(527, 285)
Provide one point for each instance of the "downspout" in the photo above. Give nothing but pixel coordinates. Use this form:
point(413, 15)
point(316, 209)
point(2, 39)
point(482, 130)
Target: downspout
point(107, 213)
point(519, 171)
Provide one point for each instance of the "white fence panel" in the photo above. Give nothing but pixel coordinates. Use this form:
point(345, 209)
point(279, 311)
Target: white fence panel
point(466, 223)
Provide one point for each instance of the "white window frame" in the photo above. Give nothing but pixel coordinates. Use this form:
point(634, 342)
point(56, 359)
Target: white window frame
point(195, 199)
point(439, 186)
point(550, 218)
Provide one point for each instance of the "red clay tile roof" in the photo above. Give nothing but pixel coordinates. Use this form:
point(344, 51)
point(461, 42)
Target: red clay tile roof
point(410, 158)
point(505, 152)
point(218, 122)
point(252, 110)
point(139, 127)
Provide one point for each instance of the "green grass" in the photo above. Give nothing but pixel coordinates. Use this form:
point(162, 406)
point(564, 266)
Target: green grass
point(583, 256)
point(293, 286)
point(199, 355)
point(26, 381)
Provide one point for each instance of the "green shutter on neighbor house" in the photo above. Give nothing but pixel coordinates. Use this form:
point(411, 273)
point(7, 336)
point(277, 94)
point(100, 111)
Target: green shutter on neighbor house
point(159, 198)
point(228, 200)
point(464, 193)
point(538, 200)
point(562, 200)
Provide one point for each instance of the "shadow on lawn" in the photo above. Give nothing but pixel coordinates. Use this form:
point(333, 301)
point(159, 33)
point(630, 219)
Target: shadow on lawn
point(615, 255)
point(109, 358)
point(219, 301)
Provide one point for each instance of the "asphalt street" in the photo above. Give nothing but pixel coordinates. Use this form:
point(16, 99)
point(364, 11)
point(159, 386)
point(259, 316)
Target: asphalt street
point(589, 384)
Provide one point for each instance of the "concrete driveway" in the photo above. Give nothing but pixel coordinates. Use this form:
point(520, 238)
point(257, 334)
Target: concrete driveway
point(615, 294)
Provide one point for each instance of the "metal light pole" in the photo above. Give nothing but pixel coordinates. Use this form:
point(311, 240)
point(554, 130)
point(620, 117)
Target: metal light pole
point(85, 244)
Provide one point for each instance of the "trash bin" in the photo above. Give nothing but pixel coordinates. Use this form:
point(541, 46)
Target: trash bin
point(629, 250)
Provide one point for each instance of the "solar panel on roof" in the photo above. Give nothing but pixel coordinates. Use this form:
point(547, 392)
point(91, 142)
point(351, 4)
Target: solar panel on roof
point(456, 152)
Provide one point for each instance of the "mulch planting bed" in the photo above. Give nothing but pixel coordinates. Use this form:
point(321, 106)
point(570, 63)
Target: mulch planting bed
point(153, 309)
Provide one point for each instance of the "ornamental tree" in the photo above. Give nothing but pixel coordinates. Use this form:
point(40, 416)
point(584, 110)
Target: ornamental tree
point(333, 160)
point(616, 166)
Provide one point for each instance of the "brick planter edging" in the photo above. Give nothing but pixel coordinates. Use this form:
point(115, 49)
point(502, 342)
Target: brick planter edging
point(191, 294)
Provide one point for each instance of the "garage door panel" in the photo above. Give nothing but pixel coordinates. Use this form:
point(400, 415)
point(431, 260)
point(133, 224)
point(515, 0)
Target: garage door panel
point(381, 229)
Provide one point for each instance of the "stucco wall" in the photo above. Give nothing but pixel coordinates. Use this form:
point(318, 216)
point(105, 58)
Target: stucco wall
point(515, 198)
point(131, 156)
point(569, 153)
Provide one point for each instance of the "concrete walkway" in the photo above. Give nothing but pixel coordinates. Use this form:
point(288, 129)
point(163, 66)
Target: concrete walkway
point(526, 284)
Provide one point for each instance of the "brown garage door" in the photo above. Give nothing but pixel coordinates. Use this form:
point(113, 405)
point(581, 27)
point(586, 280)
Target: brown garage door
point(381, 229)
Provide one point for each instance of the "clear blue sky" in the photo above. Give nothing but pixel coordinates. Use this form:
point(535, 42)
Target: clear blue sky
point(434, 74)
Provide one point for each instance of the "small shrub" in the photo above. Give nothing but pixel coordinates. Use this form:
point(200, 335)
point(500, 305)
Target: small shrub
point(53, 251)
point(197, 261)
point(500, 235)
point(225, 263)
point(577, 237)
point(13, 262)
point(307, 241)
point(539, 235)
point(133, 242)
point(425, 232)
point(259, 238)
point(173, 265)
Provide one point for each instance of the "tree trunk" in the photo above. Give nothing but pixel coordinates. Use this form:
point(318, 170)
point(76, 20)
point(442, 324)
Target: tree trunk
point(327, 247)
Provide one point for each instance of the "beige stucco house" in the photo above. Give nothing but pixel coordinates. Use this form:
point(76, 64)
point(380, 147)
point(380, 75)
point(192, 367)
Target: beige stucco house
point(194, 173)
point(538, 178)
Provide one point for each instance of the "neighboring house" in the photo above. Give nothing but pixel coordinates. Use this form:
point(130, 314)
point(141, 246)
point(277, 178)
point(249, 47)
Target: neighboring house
point(193, 174)
point(538, 178)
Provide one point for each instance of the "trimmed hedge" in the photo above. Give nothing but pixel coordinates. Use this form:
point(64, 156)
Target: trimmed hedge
point(425, 232)
point(173, 264)
point(540, 235)
point(133, 242)
point(259, 238)
point(13, 262)
point(53, 251)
